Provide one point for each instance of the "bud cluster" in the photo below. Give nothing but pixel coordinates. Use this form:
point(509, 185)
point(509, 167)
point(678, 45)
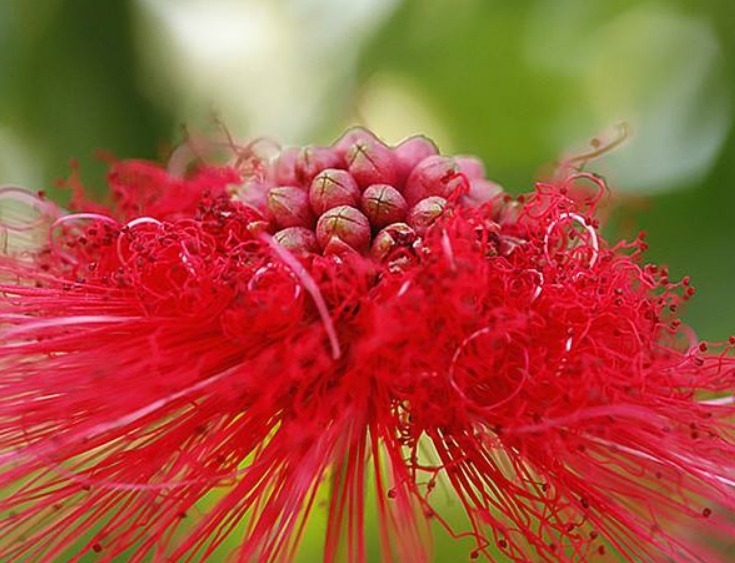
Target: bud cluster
point(361, 195)
point(568, 409)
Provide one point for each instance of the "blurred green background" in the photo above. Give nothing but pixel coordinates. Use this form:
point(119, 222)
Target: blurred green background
point(518, 83)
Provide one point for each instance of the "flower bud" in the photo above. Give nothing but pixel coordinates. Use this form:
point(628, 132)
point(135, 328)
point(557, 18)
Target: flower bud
point(425, 212)
point(392, 237)
point(481, 191)
point(353, 135)
point(410, 152)
point(434, 176)
point(297, 239)
point(336, 247)
point(371, 162)
point(383, 204)
point(331, 188)
point(254, 193)
point(471, 167)
point(312, 159)
point(289, 207)
point(283, 168)
point(347, 224)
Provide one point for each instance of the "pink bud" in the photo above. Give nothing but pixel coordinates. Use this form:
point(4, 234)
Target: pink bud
point(392, 237)
point(283, 168)
point(383, 204)
point(345, 223)
point(481, 191)
point(371, 162)
point(331, 188)
point(336, 247)
point(471, 167)
point(425, 212)
point(297, 239)
point(434, 176)
point(289, 207)
point(342, 145)
point(312, 159)
point(410, 152)
point(254, 193)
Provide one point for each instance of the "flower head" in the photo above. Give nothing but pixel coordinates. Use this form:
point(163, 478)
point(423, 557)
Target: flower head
point(211, 351)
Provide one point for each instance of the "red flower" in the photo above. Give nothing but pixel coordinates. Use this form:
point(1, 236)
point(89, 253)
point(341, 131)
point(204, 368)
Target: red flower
point(383, 323)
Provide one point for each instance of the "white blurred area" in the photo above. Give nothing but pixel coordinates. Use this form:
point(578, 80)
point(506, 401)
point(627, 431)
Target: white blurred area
point(395, 108)
point(655, 69)
point(286, 69)
point(280, 68)
point(17, 164)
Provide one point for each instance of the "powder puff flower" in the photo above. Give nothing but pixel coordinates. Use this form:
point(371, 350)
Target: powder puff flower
point(352, 329)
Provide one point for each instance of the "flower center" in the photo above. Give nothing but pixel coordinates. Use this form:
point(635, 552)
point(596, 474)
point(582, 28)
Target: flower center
point(361, 195)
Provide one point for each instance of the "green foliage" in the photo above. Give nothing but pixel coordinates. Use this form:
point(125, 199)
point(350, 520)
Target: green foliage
point(70, 85)
point(473, 63)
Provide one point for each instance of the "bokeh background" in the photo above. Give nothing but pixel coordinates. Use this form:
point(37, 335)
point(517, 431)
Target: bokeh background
point(518, 83)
